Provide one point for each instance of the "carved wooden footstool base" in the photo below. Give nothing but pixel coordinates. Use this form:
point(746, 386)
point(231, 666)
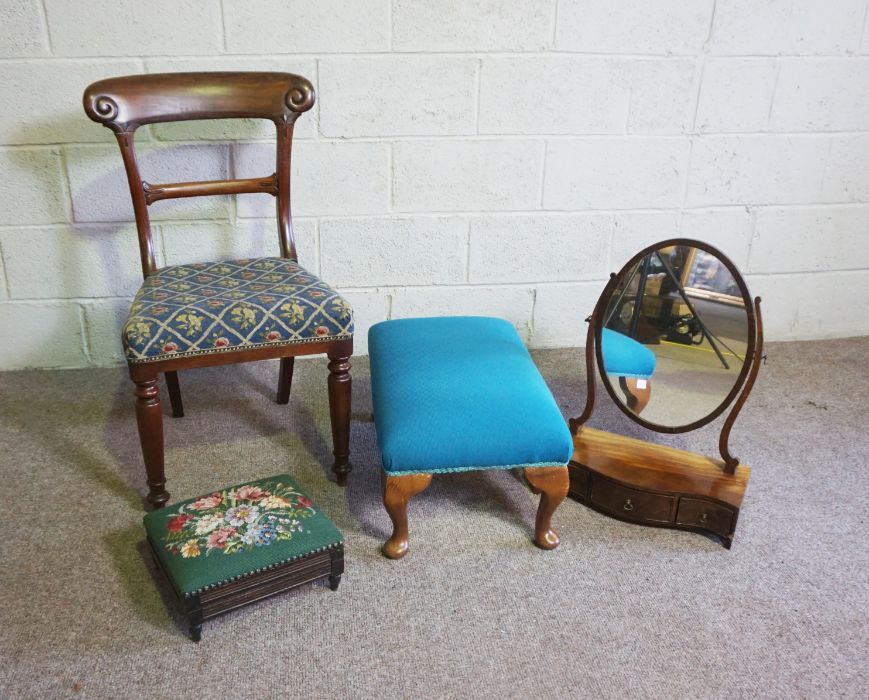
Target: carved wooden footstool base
point(242, 544)
point(461, 394)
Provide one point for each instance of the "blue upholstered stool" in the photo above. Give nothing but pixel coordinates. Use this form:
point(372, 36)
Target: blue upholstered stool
point(461, 394)
point(633, 363)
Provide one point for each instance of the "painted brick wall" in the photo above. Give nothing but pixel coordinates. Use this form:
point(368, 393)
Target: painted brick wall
point(464, 156)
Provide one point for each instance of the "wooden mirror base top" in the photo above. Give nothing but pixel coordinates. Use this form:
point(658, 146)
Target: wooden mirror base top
point(650, 484)
point(550, 482)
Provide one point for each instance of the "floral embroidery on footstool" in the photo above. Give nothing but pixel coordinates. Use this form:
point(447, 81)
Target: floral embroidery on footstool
point(236, 520)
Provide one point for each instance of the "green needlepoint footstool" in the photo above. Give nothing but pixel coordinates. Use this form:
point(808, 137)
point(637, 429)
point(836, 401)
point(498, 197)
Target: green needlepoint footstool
point(242, 544)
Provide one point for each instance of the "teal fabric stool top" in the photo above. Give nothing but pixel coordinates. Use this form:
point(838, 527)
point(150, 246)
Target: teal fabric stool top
point(632, 363)
point(626, 357)
point(460, 394)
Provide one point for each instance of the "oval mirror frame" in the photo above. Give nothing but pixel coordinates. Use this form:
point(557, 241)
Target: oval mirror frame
point(600, 309)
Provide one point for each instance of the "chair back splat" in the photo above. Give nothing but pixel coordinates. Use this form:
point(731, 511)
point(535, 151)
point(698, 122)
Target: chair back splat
point(124, 104)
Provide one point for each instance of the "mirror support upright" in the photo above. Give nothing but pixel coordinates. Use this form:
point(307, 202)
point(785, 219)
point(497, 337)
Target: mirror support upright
point(730, 461)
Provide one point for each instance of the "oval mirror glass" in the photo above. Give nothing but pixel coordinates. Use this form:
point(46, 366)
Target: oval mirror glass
point(674, 335)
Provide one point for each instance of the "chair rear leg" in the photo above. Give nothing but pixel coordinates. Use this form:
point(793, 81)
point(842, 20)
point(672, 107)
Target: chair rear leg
point(285, 379)
point(174, 394)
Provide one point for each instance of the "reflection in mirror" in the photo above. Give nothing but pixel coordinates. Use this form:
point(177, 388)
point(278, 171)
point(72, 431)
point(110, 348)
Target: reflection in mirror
point(675, 334)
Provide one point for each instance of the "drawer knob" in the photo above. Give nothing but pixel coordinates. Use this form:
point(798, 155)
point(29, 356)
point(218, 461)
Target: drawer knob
point(628, 505)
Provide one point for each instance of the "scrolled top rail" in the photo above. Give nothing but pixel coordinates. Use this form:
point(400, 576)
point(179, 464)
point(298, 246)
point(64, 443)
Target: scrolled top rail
point(123, 104)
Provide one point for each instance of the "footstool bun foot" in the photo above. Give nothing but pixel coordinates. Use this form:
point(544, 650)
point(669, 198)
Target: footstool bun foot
point(397, 491)
point(553, 483)
point(194, 619)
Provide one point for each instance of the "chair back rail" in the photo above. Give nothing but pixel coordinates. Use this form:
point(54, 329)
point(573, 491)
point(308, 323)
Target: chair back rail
point(124, 104)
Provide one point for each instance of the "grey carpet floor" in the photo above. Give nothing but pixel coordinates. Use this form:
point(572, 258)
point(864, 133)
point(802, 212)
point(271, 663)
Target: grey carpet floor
point(475, 610)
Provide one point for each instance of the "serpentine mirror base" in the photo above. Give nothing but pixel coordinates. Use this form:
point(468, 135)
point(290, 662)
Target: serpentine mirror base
point(644, 483)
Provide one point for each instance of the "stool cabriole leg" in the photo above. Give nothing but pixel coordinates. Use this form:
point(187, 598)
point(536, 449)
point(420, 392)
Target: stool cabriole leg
point(397, 491)
point(339, 409)
point(553, 483)
point(149, 416)
point(636, 398)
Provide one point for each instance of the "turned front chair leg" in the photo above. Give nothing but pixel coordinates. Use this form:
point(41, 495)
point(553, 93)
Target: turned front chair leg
point(339, 410)
point(552, 482)
point(174, 394)
point(397, 491)
point(149, 416)
point(285, 379)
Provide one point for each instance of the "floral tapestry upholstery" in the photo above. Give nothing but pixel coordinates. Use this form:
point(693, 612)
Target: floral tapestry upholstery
point(238, 531)
point(205, 308)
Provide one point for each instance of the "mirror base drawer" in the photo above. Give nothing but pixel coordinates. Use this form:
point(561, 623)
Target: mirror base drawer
point(694, 512)
point(631, 504)
point(579, 478)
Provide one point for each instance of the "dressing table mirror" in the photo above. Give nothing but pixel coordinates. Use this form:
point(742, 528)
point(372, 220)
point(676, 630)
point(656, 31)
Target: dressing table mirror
point(677, 340)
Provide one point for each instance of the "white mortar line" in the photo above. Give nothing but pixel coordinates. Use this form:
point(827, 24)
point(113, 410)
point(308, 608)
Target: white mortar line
point(85, 340)
point(448, 213)
point(699, 74)
point(467, 53)
point(44, 9)
point(772, 96)
point(390, 180)
point(522, 284)
point(531, 312)
point(863, 30)
point(478, 79)
point(318, 133)
point(610, 243)
point(468, 253)
point(554, 34)
point(67, 184)
point(752, 213)
point(318, 247)
point(686, 179)
point(221, 16)
point(7, 291)
point(824, 174)
point(389, 26)
point(159, 233)
point(400, 138)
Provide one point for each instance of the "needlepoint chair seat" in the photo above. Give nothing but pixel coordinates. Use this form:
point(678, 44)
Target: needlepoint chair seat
point(204, 308)
point(460, 394)
point(241, 544)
